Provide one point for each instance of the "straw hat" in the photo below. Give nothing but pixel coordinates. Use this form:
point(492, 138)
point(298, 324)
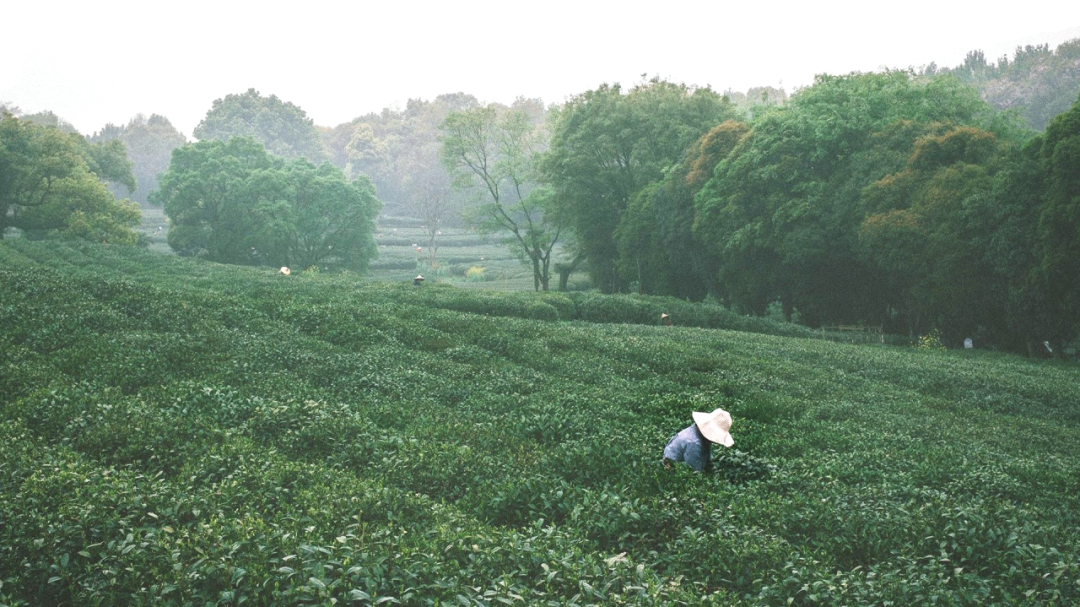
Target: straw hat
point(419, 277)
point(715, 426)
point(284, 271)
point(664, 316)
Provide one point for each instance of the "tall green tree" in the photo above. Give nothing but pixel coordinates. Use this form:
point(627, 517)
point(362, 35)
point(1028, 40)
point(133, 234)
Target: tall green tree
point(282, 127)
point(1059, 219)
point(233, 202)
point(1004, 230)
point(920, 239)
point(657, 246)
point(52, 181)
point(494, 152)
point(783, 212)
point(607, 145)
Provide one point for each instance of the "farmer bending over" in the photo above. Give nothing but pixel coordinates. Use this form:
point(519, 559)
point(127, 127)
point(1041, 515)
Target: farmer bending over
point(692, 444)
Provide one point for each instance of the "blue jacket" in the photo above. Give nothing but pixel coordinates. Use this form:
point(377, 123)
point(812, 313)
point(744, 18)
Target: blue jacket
point(689, 446)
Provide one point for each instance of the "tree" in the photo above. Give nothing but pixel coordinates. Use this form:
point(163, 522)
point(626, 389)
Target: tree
point(606, 146)
point(925, 249)
point(757, 98)
point(1038, 83)
point(365, 153)
point(392, 145)
point(1059, 219)
point(48, 118)
point(494, 151)
point(149, 142)
point(428, 192)
point(782, 213)
point(657, 246)
point(282, 127)
point(52, 182)
point(1004, 231)
point(233, 202)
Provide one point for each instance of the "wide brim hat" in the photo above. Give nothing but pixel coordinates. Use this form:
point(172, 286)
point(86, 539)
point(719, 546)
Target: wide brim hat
point(284, 271)
point(419, 277)
point(715, 426)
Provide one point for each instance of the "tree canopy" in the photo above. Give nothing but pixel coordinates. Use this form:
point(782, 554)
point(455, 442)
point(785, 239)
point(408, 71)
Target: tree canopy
point(233, 202)
point(149, 143)
point(607, 145)
point(397, 146)
point(782, 211)
point(51, 181)
point(493, 152)
point(282, 127)
point(1037, 82)
point(1059, 218)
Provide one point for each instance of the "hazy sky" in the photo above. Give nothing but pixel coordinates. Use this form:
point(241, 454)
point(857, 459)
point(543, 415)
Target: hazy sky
point(98, 62)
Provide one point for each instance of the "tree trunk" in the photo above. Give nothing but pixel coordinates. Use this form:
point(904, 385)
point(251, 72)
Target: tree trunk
point(641, 289)
point(536, 273)
point(564, 276)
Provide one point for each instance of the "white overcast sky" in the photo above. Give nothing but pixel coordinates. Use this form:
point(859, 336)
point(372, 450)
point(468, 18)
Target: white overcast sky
point(94, 62)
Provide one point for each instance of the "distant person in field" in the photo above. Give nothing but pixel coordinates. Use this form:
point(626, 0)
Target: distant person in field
point(693, 444)
point(665, 319)
point(418, 281)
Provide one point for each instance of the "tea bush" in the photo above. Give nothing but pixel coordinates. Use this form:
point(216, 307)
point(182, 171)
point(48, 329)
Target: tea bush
point(181, 432)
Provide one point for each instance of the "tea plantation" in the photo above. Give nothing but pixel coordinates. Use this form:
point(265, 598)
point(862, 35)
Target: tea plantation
point(183, 432)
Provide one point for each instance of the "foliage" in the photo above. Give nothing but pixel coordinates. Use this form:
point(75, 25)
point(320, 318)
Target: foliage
point(757, 99)
point(399, 149)
point(1037, 82)
point(657, 246)
point(783, 212)
point(917, 237)
point(149, 142)
point(930, 341)
point(1059, 218)
point(282, 127)
point(607, 146)
point(235, 203)
point(494, 152)
point(51, 182)
point(49, 119)
point(184, 432)
point(475, 273)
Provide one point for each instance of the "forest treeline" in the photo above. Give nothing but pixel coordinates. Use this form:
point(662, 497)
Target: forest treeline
point(1037, 82)
point(939, 198)
point(884, 199)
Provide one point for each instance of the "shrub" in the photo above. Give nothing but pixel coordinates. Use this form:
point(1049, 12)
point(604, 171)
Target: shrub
point(475, 274)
